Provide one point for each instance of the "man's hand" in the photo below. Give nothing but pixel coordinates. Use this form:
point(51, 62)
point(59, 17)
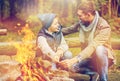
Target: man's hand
point(66, 64)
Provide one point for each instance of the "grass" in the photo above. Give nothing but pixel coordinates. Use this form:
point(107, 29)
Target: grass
point(11, 36)
point(72, 35)
point(75, 51)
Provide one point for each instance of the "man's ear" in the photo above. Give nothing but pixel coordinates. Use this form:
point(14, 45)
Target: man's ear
point(89, 14)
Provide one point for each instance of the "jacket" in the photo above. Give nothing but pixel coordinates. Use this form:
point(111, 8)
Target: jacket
point(48, 43)
point(101, 37)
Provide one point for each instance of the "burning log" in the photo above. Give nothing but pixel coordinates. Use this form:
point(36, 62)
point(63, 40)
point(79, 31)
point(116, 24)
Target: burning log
point(40, 70)
point(3, 32)
point(34, 70)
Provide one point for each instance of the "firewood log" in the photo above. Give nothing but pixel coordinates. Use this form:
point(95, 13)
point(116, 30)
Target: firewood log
point(3, 32)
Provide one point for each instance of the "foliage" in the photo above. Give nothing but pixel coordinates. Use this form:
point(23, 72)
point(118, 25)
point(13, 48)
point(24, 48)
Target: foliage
point(10, 37)
point(117, 55)
point(27, 10)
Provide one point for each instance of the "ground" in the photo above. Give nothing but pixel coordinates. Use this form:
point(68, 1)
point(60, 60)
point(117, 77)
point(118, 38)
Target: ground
point(113, 74)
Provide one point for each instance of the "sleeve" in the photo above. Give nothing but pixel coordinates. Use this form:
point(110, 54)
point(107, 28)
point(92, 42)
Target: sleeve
point(63, 46)
point(43, 45)
point(100, 39)
point(71, 29)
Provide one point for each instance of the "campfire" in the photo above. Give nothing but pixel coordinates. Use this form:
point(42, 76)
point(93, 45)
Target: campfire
point(39, 70)
point(35, 68)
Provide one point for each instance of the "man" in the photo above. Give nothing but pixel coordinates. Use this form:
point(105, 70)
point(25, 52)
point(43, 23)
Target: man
point(50, 40)
point(96, 54)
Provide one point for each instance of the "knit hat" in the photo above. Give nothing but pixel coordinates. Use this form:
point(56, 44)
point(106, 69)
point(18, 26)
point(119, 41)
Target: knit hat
point(46, 19)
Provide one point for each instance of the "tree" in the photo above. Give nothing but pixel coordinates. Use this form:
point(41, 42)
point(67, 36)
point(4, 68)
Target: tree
point(1, 9)
point(12, 9)
point(114, 7)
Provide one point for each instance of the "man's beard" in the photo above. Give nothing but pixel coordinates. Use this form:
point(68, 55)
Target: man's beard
point(86, 23)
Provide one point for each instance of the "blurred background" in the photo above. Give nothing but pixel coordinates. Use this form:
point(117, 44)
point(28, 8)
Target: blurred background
point(19, 23)
point(18, 12)
point(18, 15)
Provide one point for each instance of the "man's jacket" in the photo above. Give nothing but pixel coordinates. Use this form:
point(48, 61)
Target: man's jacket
point(101, 37)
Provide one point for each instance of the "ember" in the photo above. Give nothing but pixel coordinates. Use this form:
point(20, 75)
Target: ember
point(33, 71)
point(39, 70)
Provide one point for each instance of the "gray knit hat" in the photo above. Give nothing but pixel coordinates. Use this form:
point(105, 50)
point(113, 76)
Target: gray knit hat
point(46, 19)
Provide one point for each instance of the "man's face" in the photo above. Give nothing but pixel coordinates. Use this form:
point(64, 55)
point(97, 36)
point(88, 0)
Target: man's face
point(83, 17)
point(54, 26)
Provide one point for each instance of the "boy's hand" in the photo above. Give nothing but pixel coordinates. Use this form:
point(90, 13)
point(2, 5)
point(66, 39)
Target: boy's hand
point(59, 53)
point(56, 59)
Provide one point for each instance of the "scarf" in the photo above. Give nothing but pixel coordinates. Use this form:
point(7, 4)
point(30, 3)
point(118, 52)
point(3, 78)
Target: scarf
point(90, 30)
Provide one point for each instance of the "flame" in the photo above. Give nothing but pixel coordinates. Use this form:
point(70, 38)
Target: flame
point(25, 48)
point(32, 72)
point(25, 55)
point(32, 69)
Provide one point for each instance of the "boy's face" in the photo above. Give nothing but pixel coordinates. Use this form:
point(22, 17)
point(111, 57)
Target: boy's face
point(54, 26)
